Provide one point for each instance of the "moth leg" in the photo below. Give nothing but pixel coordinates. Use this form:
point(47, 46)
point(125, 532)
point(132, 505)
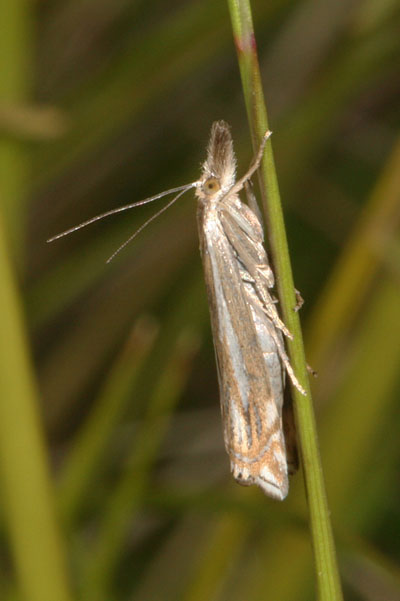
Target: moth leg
point(285, 360)
point(299, 299)
point(253, 167)
point(267, 274)
point(270, 310)
point(312, 371)
point(254, 260)
point(250, 253)
point(252, 202)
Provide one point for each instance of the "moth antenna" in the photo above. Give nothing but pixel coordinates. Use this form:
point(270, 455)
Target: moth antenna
point(146, 223)
point(123, 208)
point(254, 165)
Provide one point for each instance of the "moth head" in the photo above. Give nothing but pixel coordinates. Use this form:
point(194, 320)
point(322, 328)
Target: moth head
point(219, 170)
point(208, 188)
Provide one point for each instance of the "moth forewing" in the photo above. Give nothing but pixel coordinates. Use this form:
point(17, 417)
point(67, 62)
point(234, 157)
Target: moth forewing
point(250, 405)
point(247, 330)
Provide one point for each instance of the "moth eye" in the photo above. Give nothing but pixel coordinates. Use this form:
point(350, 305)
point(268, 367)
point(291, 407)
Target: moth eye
point(211, 185)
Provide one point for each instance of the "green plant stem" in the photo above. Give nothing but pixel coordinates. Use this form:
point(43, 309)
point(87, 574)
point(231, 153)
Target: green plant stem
point(327, 576)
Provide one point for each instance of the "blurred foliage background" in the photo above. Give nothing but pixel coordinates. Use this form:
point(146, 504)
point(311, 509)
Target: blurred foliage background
point(114, 481)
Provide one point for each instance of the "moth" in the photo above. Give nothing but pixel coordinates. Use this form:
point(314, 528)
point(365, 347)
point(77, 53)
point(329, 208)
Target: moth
point(247, 330)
